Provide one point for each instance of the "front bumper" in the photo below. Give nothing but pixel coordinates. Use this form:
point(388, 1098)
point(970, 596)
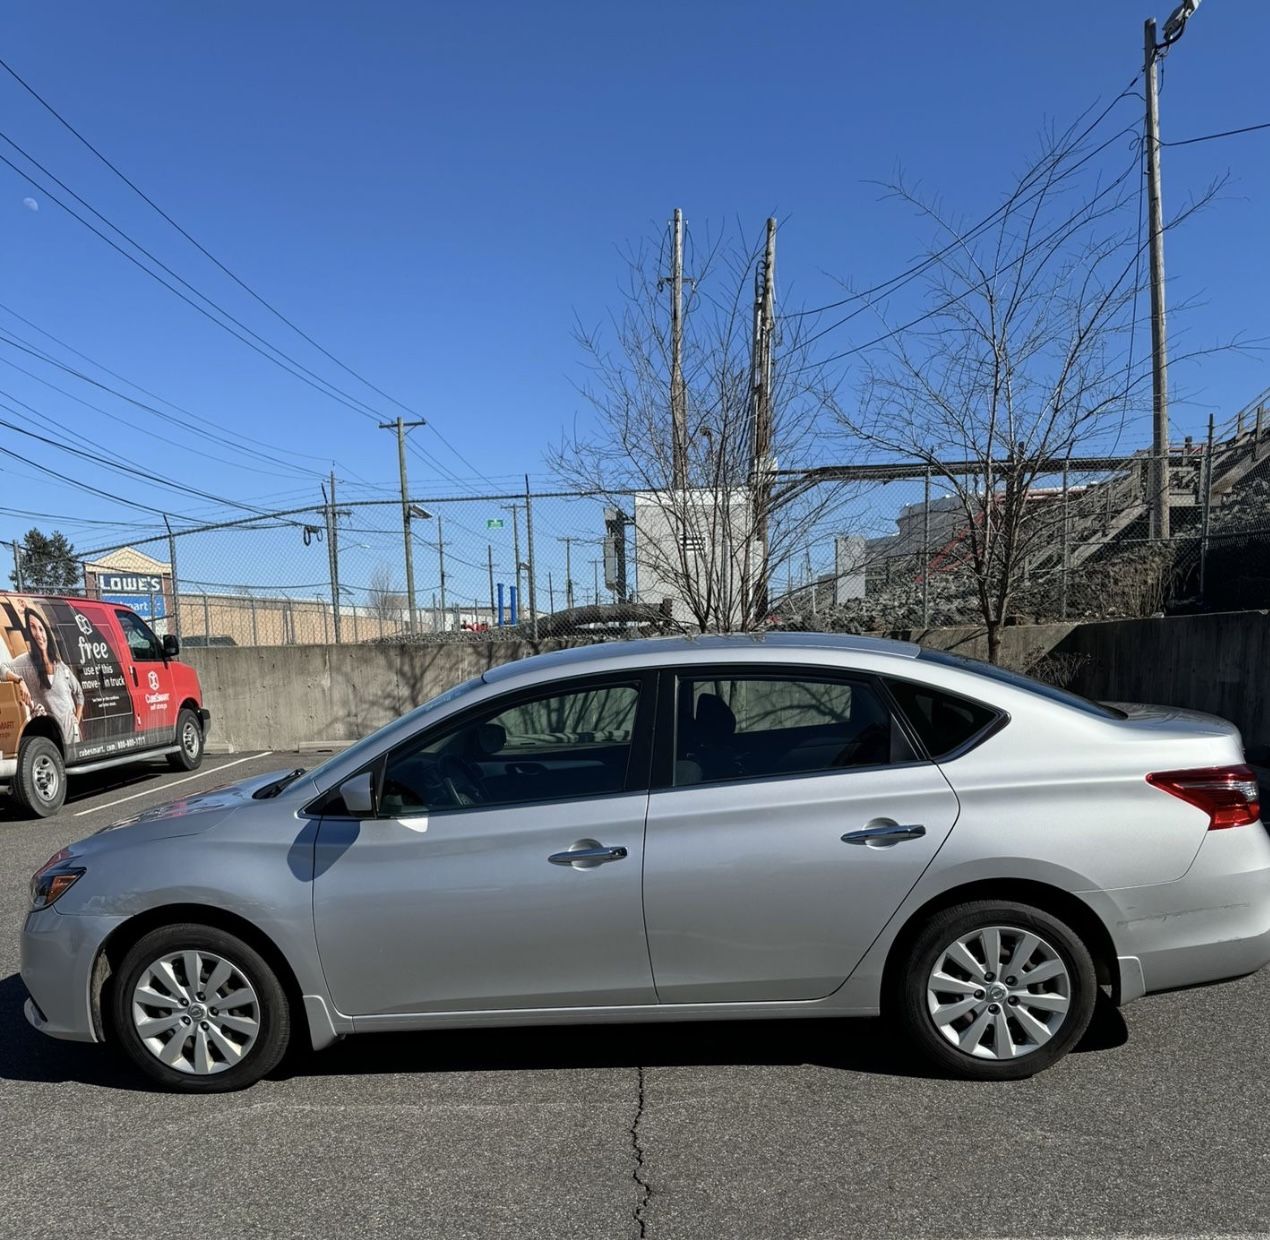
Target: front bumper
point(58, 955)
point(205, 720)
point(1211, 924)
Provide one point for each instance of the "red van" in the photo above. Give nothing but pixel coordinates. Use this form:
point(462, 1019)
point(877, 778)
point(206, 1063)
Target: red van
point(86, 685)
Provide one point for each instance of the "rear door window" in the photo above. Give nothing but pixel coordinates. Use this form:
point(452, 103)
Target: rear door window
point(733, 726)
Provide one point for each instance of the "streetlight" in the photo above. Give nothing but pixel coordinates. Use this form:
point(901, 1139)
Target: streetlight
point(1159, 344)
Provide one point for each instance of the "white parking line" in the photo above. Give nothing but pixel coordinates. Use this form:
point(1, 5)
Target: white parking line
point(147, 791)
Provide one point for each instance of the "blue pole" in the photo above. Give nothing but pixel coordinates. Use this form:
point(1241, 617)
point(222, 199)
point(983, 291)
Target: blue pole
point(500, 604)
point(511, 608)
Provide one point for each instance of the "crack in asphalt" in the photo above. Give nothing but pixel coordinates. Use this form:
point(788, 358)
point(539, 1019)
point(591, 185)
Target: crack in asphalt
point(637, 1173)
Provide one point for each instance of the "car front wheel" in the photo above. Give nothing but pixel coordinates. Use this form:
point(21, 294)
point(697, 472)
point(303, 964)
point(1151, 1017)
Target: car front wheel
point(995, 990)
point(199, 1010)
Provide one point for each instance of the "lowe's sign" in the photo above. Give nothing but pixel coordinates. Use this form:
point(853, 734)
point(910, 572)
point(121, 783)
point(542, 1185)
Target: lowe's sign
point(143, 592)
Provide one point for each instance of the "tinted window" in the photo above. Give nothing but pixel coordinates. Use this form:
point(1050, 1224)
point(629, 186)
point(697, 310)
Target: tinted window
point(141, 642)
point(562, 746)
point(943, 722)
point(759, 727)
point(1016, 680)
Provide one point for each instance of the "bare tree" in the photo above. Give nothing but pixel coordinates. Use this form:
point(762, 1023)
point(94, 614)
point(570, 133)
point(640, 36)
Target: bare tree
point(1028, 354)
point(712, 546)
point(386, 602)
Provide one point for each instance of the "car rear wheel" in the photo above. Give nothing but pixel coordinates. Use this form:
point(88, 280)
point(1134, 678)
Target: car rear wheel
point(995, 990)
point(198, 1010)
point(39, 784)
point(189, 740)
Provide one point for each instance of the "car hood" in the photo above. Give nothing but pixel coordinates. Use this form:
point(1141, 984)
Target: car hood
point(188, 815)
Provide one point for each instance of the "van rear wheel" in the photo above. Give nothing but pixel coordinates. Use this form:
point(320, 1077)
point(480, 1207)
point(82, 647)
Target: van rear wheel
point(189, 740)
point(39, 783)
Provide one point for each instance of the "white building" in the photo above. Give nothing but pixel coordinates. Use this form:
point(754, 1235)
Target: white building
point(697, 548)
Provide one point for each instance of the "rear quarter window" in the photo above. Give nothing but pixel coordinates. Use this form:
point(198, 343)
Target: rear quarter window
point(945, 723)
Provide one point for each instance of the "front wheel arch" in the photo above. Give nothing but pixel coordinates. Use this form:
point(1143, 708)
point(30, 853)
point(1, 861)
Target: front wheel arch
point(122, 938)
point(1085, 923)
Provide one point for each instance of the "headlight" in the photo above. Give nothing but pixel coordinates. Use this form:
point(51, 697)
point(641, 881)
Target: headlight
point(54, 879)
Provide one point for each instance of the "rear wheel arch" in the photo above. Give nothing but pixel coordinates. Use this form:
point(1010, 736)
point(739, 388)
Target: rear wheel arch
point(122, 938)
point(1068, 908)
point(44, 725)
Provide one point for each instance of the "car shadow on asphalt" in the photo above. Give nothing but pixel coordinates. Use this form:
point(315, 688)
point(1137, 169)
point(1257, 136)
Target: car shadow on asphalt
point(866, 1046)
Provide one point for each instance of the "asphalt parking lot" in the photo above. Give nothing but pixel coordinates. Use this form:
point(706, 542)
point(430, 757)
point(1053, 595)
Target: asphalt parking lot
point(1158, 1126)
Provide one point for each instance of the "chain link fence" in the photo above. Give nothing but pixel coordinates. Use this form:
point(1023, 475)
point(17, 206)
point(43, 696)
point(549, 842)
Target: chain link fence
point(864, 554)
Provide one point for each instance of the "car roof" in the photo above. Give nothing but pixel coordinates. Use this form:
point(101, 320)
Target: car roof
point(705, 647)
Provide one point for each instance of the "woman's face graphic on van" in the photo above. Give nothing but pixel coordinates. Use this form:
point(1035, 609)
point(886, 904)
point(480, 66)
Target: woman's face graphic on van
point(39, 634)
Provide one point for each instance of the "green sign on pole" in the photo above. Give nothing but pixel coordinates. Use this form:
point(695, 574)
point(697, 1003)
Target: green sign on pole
point(494, 523)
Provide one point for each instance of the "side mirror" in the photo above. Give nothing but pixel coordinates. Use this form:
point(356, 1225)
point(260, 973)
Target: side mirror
point(358, 794)
point(171, 646)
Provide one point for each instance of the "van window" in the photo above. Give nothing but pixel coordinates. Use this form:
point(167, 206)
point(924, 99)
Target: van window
point(142, 643)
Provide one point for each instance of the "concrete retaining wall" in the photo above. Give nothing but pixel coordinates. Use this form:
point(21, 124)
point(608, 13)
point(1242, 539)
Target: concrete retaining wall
point(285, 697)
point(288, 697)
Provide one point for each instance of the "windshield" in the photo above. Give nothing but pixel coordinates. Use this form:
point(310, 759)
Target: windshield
point(1016, 680)
point(368, 743)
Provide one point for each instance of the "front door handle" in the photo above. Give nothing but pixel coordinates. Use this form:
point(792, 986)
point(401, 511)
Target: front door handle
point(884, 835)
point(587, 854)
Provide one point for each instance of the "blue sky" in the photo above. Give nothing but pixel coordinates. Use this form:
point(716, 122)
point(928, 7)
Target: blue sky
point(434, 192)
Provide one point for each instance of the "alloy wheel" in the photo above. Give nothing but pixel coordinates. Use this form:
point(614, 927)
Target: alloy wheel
point(999, 992)
point(196, 1012)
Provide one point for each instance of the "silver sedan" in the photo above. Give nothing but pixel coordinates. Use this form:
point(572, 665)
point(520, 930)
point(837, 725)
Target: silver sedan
point(681, 829)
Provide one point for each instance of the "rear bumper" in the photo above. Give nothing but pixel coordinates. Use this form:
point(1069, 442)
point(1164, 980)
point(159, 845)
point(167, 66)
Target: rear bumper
point(1211, 924)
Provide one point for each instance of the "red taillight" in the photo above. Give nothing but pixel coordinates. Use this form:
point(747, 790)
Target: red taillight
point(1227, 794)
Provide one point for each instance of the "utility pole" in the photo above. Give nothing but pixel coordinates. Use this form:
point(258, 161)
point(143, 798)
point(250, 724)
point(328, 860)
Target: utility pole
point(678, 410)
point(441, 564)
point(401, 427)
point(1159, 345)
point(333, 556)
point(514, 509)
point(489, 550)
point(568, 570)
point(174, 624)
point(529, 552)
point(762, 371)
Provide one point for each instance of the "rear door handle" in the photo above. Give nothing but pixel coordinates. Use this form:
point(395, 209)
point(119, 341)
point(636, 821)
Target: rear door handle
point(884, 835)
point(587, 854)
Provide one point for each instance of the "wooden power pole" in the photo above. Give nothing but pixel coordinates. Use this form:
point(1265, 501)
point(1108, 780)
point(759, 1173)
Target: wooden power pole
point(678, 411)
point(401, 427)
point(762, 369)
point(1159, 473)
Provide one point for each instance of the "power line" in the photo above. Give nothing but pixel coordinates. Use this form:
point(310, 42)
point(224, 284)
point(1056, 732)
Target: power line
point(114, 417)
point(284, 361)
point(186, 413)
point(1210, 137)
point(44, 103)
point(102, 458)
point(952, 301)
point(917, 268)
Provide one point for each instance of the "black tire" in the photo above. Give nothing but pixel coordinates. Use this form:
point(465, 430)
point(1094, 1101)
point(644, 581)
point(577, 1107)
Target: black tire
point(39, 783)
point(909, 1003)
point(272, 1011)
point(189, 740)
